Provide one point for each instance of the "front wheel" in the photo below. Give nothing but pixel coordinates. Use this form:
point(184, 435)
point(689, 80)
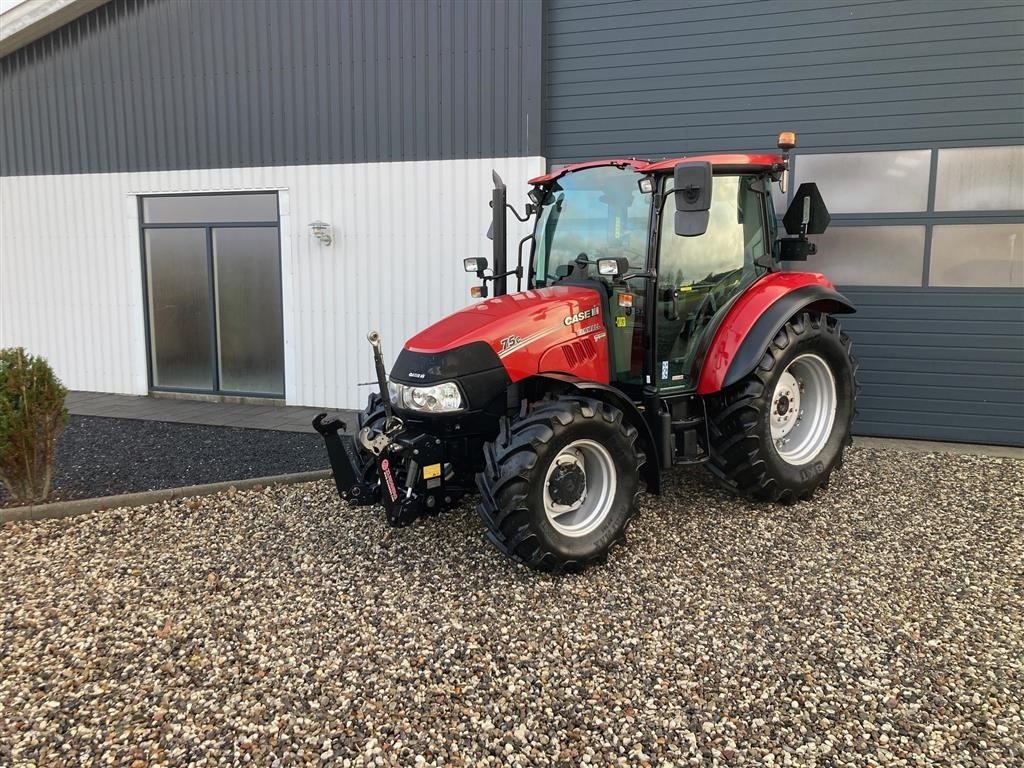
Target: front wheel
point(779, 433)
point(560, 482)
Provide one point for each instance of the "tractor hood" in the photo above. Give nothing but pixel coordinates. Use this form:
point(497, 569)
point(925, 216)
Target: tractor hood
point(524, 315)
point(509, 333)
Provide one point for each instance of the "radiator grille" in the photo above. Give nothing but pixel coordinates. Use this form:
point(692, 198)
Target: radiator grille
point(579, 351)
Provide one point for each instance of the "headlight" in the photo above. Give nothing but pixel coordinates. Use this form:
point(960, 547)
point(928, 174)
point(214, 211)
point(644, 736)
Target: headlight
point(439, 398)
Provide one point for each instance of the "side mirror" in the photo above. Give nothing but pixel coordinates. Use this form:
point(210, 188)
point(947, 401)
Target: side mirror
point(692, 191)
point(807, 214)
point(613, 267)
point(475, 264)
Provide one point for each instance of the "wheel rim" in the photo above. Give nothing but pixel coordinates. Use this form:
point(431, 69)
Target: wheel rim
point(579, 488)
point(803, 409)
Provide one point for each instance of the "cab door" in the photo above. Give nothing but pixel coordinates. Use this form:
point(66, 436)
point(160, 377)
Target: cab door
point(697, 276)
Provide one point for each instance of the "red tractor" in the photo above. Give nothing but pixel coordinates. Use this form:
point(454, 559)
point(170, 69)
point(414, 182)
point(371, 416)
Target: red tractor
point(655, 329)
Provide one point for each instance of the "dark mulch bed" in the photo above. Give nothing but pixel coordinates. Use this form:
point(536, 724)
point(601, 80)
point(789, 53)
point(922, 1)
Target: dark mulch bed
point(101, 457)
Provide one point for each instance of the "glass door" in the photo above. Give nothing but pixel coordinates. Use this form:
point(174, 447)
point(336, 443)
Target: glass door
point(698, 276)
point(213, 293)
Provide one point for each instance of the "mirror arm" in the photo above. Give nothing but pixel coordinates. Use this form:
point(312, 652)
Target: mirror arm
point(661, 199)
point(652, 275)
point(519, 261)
point(518, 272)
point(664, 199)
point(529, 211)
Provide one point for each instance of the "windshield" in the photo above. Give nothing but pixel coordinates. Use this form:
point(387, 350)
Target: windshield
point(596, 211)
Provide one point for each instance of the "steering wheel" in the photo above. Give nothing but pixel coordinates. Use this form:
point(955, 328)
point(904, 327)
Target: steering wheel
point(710, 300)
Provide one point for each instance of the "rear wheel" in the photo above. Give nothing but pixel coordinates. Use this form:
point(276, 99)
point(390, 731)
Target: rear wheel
point(780, 432)
point(560, 483)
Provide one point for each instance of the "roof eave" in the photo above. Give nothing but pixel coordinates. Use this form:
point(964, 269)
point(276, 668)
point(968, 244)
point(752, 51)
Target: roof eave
point(27, 22)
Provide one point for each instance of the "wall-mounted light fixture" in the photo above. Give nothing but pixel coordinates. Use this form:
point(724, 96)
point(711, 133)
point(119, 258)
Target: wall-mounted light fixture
point(322, 231)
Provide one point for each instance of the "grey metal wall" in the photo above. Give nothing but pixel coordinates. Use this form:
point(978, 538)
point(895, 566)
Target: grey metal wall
point(169, 84)
point(655, 78)
point(658, 78)
point(940, 363)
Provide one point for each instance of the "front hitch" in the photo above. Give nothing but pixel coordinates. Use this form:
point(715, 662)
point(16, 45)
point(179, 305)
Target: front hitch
point(407, 473)
point(346, 464)
point(353, 471)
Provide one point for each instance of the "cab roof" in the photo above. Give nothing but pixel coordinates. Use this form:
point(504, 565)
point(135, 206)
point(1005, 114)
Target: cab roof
point(736, 163)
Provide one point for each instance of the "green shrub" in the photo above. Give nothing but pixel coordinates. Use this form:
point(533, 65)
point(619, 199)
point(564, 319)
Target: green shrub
point(32, 416)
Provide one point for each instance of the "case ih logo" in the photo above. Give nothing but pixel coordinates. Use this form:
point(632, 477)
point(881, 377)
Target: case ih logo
point(579, 317)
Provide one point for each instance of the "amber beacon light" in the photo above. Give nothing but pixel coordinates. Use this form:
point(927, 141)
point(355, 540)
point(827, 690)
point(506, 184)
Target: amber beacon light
point(787, 140)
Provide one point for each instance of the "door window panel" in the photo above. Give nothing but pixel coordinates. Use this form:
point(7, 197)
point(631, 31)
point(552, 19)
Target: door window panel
point(869, 182)
point(209, 209)
point(248, 283)
point(978, 256)
point(698, 275)
point(980, 179)
point(181, 353)
point(868, 255)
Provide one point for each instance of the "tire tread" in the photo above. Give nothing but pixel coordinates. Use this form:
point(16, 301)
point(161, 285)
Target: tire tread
point(505, 481)
point(733, 419)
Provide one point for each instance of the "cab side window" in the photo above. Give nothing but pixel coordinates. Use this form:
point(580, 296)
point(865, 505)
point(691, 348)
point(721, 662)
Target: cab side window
point(734, 239)
point(698, 275)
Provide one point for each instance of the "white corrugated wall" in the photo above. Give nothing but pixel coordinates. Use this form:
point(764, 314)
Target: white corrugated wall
point(71, 276)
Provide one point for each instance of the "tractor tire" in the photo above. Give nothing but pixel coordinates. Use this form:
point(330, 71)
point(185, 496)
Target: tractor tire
point(560, 483)
point(778, 434)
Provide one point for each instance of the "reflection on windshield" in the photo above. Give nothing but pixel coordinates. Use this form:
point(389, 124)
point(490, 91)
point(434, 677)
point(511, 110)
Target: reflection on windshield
point(734, 236)
point(597, 211)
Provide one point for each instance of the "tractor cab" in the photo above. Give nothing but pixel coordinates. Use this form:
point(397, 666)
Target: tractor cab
point(616, 224)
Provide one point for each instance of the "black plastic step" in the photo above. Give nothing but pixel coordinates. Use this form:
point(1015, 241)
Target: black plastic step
point(692, 422)
point(690, 462)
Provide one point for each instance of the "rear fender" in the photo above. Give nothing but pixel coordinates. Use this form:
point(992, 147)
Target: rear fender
point(650, 471)
point(757, 316)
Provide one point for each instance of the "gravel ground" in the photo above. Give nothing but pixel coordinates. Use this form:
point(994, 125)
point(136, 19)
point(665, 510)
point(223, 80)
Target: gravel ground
point(101, 457)
point(879, 624)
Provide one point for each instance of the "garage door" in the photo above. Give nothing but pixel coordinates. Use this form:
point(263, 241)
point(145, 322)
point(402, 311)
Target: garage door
point(910, 120)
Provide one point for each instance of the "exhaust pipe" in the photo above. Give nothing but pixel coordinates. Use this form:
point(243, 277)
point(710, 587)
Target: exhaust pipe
point(500, 261)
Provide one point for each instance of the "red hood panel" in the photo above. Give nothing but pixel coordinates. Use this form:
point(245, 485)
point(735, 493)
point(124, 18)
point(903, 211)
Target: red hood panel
point(520, 326)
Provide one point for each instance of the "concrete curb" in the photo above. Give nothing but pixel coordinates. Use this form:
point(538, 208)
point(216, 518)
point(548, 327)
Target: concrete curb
point(75, 507)
point(934, 446)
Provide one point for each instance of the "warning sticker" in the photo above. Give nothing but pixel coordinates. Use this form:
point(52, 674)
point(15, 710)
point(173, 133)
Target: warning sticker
point(431, 470)
point(389, 481)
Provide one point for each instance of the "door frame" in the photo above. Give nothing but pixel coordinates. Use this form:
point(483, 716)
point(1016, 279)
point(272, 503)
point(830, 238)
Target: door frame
point(208, 228)
point(671, 389)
